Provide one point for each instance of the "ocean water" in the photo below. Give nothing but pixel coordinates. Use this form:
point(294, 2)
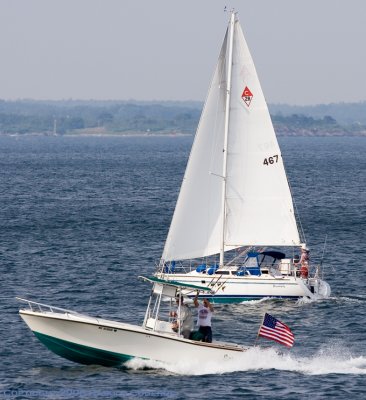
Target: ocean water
point(82, 217)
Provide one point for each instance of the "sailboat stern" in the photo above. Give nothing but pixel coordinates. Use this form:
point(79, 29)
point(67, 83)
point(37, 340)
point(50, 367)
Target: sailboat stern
point(319, 288)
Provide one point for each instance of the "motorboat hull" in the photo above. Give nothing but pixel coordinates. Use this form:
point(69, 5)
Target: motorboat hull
point(88, 340)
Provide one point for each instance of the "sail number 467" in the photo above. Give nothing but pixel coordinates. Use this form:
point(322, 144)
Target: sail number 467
point(270, 160)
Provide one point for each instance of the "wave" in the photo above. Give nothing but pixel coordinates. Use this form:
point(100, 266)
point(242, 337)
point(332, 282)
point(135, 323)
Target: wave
point(333, 359)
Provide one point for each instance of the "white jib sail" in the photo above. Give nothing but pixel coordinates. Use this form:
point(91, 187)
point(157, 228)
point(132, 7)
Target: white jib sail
point(259, 208)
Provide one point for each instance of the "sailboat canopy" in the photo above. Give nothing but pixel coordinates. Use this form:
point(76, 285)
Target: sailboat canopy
point(258, 208)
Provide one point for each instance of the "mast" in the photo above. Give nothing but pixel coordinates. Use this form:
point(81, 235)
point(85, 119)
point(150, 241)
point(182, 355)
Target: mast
point(226, 131)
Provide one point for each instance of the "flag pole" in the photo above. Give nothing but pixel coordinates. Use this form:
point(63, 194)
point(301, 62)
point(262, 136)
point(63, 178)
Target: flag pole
point(256, 339)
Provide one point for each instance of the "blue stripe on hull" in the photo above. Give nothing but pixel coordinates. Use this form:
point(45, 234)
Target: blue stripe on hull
point(82, 354)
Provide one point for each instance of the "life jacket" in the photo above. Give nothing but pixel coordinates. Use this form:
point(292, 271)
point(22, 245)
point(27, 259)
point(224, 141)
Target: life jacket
point(304, 271)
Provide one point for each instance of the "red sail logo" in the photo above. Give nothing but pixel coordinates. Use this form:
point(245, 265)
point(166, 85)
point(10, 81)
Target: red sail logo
point(247, 96)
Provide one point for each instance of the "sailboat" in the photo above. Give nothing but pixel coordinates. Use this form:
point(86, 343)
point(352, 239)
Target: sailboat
point(93, 340)
point(234, 219)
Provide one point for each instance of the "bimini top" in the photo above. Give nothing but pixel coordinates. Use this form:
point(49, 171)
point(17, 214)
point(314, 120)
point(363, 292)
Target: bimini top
point(275, 254)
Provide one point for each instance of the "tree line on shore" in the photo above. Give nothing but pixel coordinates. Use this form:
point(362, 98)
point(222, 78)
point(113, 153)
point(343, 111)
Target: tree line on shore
point(118, 117)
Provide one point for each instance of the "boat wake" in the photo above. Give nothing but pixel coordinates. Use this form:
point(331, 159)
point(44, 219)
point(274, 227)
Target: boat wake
point(305, 300)
point(330, 360)
point(253, 302)
point(349, 299)
point(341, 299)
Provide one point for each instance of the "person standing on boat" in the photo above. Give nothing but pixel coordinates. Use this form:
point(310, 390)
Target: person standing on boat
point(205, 311)
point(304, 255)
point(304, 262)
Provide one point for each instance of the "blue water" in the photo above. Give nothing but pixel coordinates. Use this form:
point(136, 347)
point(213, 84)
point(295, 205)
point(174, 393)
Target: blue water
point(81, 218)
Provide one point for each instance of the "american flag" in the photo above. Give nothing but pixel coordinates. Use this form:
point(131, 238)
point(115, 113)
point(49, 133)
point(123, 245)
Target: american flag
point(274, 329)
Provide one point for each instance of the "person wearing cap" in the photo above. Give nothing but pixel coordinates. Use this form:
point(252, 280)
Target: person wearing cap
point(304, 255)
point(205, 311)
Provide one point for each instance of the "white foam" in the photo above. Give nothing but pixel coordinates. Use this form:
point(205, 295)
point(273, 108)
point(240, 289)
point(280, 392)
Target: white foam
point(305, 300)
point(258, 301)
point(329, 360)
point(355, 300)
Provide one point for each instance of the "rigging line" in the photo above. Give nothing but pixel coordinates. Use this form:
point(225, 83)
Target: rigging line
point(325, 244)
point(322, 259)
point(245, 251)
point(222, 283)
point(297, 214)
point(217, 281)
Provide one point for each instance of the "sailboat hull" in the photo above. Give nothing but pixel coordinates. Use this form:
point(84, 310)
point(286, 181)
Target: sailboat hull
point(238, 289)
point(88, 340)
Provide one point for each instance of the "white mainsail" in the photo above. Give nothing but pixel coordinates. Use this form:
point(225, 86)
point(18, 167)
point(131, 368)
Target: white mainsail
point(258, 203)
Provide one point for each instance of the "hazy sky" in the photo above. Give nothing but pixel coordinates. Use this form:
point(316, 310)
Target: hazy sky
point(305, 51)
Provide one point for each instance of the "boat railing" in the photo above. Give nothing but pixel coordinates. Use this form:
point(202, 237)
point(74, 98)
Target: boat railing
point(210, 268)
point(177, 267)
point(284, 267)
point(40, 307)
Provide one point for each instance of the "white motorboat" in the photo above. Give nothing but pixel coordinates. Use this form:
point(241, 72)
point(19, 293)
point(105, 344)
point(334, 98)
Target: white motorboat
point(90, 340)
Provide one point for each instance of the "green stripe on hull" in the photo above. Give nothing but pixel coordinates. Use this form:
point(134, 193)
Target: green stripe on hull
point(230, 300)
point(82, 354)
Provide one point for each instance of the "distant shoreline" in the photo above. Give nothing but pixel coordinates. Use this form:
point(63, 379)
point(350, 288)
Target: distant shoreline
point(98, 118)
point(172, 135)
point(92, 134)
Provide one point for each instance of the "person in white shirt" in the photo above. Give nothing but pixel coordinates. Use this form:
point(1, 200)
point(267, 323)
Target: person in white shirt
point(205, 311)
